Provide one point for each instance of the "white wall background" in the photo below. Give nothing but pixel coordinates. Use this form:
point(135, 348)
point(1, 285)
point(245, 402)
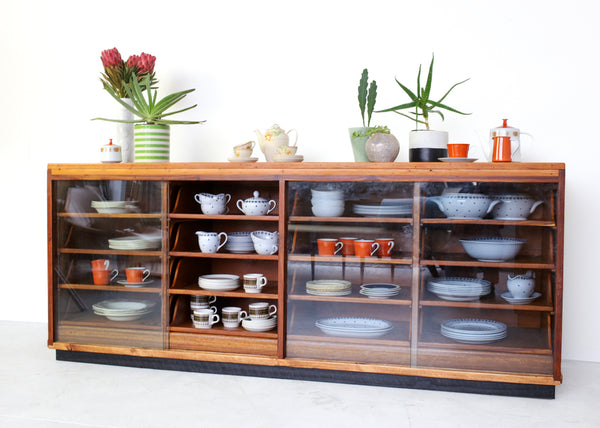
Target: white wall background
point(297, 63)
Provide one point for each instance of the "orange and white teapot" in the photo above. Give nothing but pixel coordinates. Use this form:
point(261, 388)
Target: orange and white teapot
point(273, 138)
point(500, 133)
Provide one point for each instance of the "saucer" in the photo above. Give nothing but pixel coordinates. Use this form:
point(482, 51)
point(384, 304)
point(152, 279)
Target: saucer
point(243, 160)
point(520, 300)
point(288, 158)
point(457, 159)
point(134, 284)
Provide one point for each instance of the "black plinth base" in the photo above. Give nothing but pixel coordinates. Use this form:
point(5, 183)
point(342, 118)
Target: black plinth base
point(356, 378)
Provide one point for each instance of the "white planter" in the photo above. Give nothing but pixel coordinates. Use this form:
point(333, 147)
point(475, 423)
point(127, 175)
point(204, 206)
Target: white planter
point(124, 132)
point(427, 145)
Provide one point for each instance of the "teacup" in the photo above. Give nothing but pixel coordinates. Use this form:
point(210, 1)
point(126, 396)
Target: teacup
point(261, 310)
point(137, 275)
point(213, 204)
point(265, 248)
point(242, 153)
point(100, 264)
point(348, 248)
point(194, 306)
point(287, 150)
point(254, 282)
point(211, 242)
point(245, 146)
point(458, 150)
point(231, 316)
point(202, 299)
point(365, 247)
point(385, 247)
point(329, 247)
point(104, 276)
point(204, 318)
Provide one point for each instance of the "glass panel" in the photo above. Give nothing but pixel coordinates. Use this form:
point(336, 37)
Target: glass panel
point(102, 230)
point(477, 240)
point(346, 300)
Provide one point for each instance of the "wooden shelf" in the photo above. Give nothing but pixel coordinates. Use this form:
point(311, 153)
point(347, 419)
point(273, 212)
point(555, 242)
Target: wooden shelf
point(112, 216)
point(193, 289)
point(103, 252)
point(313, 219)
point(145, 289)
point(233, 217)
point(348, 259)
point(489, 222)
point(219, 330)
point(458, 260)
point(352, 298)
point(232, 256)
point(486, 302)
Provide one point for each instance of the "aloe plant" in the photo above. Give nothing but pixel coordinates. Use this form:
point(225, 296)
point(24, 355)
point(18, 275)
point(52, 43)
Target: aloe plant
point(149, 110)
point(421, 102)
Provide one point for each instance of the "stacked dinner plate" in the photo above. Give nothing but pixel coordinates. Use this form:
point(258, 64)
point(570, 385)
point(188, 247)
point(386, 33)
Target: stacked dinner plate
point(387, 208)
point(112, 207)
point(134, 243)
point(239, 243)
point(329, 287)
point(379, 290)
point(476, 331)
point(258, 325)
point(459, 289)
point(354, 327)
point(123, 310)
point(219, 282)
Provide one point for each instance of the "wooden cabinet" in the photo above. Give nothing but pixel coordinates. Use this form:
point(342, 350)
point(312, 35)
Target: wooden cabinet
point(339, 328)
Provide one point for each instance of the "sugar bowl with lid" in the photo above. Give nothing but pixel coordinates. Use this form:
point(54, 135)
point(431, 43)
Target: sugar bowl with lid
point(256, 205)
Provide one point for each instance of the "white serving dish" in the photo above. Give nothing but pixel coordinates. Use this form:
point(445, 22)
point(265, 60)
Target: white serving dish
point(492, 249)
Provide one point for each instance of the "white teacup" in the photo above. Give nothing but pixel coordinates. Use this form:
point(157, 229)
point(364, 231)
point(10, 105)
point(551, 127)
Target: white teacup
point(213, 204)
point(287, 150)
point(261, 310)
point(265, 248)
point(254, 282)
point(204, 318)
point(242, 153)
point(194, 306)
point(211, 242)
point(231, 316)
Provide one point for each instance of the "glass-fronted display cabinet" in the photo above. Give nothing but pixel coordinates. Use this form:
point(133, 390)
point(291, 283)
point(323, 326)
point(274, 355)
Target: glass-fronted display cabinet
point(108, 262)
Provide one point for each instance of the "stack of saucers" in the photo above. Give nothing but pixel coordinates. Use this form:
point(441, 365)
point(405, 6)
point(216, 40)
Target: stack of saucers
point(219, 282)
point(476, 331)
point(134, 243)
point(258, 325)
point(239, 243)
point(354, 327)
point(459, 289)
point(122, 310)
point(327, 203)
point(113, 207)
point(379, 290)
point(329, 287)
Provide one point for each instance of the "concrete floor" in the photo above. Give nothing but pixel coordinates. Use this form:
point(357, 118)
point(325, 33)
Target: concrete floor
point(37, 391)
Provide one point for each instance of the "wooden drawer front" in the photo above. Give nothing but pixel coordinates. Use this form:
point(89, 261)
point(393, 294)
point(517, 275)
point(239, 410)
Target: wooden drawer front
point(355, 352)
point(230, 344)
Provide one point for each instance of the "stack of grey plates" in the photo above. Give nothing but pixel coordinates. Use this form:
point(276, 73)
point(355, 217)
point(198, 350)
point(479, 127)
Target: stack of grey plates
point(354, 327)
point(219, 282)
point(123, 310)
point(239, 243)
point(328, 287)
point(473, 331)
point(379, 290)
point(459, 289)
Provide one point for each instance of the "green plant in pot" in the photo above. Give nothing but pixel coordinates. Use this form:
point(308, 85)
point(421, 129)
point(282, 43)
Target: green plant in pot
point(425, 145)
point(367, 95)
point(152, 125)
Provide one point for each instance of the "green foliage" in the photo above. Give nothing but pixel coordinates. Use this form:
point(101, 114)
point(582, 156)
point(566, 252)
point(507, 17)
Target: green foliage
point(367, 132)
point(366, 97)
point(149, 110)
point(421, 102)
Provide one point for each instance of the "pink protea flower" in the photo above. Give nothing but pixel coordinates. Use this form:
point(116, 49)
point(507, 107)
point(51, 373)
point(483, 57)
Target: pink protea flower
point(111, 58)
point(143, 63)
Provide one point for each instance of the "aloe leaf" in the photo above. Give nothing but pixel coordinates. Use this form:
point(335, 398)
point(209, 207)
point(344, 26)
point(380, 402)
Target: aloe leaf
point(400, 107)
point(408, 91)
point(427, 90)
point(371, 101)
point(362, 93)
point(410, 117)
point(179, 111)
point(453, 86)
point(419, 83)
point(440, 105)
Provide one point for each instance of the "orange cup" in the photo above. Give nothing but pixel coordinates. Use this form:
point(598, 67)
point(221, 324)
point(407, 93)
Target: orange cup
point(104, 276)
point(365, 247)
point(136, 275)
point(458, 150)
point(100, 264)
point(348, 248)
point(329, 247)
point(385, 247)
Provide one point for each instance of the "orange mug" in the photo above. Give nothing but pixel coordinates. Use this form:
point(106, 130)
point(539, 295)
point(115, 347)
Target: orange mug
point(502, 150)
point(137, 275)
point(329, 247)
point(385, 247)
point(458, 150)
point(348, 248)
point(104, 276)
point(365, 247)
point(100, 264)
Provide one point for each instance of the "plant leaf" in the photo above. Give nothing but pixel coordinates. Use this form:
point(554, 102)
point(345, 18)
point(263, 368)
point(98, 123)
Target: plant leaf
point(453, 86)
point(440, 105)
point(362, 93)
point(408, 91)
point(400, 107)
point(371, 101)
point(427, 90)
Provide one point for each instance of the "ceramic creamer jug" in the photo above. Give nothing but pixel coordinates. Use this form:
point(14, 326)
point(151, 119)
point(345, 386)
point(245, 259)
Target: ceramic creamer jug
point(272, 139)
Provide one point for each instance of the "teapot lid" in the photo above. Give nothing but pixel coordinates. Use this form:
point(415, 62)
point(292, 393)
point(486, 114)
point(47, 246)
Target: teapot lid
point(275, 130)
point(256, 198)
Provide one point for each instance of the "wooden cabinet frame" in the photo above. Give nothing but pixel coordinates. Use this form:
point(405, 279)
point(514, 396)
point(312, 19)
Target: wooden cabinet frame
point(178, 217)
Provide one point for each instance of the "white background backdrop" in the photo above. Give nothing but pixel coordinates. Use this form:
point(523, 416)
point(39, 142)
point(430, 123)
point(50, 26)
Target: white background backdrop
point(297, 63)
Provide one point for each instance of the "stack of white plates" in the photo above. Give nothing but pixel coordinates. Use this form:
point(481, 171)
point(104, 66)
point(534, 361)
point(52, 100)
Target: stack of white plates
point(329, 287)
point(239, 243)
point(477, 331)
point(387, 208)
point(134, 243)
point(123, 310)
point(354, 327)
point(219, 282)
point(379, 290)
point(459, 289)
point(113, 207)
point(258, 325)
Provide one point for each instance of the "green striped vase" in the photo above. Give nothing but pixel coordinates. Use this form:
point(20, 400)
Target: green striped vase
point(151, 143)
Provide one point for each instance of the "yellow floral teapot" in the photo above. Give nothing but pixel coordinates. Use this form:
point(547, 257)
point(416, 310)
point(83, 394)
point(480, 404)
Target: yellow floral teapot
point(273, 138)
